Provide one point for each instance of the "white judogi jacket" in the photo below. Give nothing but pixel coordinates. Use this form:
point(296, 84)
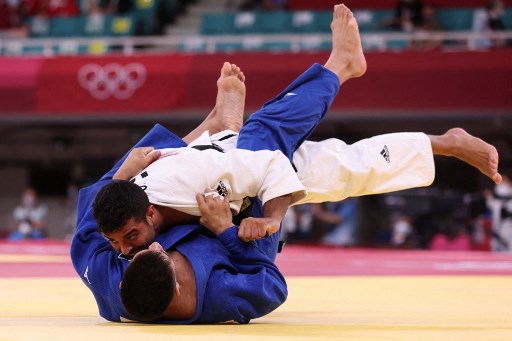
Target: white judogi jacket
point(180, 173)
point(329, 170)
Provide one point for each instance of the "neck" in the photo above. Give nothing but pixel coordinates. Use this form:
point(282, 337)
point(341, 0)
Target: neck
point(183, 307)
point(172, 217)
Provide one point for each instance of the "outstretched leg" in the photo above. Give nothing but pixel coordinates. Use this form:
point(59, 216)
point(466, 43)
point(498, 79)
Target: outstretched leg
point(458, 143)
point(385, 163)
point(229, 107)
point(287, 120)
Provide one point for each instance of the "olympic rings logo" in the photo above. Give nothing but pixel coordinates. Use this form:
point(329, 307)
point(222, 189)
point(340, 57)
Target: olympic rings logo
point(113, 79)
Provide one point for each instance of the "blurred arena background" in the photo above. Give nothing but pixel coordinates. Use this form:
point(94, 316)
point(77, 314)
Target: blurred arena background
point(82, 80)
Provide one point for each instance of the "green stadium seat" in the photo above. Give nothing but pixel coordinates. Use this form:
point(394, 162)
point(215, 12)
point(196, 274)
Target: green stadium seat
point(302, 21)
point(507, 19)
point(455, 19)
point(95, 26)
point(212, 24)
point(67, 26)
point(245, 22)
point(322, 21)
point(145, 16)
point(273, 22)
point(144, 22)
point(38, 26)
point(372, 20)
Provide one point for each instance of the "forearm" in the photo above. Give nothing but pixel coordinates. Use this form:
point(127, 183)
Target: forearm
point(122, 174)
point(137, 160)
point(275, 209)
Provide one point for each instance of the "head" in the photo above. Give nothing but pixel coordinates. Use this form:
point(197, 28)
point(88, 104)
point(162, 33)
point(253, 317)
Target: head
point(29, 198)
point(125, 216)
point(149, 284)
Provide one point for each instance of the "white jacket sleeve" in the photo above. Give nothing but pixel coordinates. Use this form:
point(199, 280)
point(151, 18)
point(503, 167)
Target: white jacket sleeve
point(265, 174)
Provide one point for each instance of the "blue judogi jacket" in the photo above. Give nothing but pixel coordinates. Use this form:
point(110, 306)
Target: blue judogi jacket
point(235, 280)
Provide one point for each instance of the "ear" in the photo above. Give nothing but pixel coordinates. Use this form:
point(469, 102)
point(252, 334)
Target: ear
point(150, 214)
point(120, 284)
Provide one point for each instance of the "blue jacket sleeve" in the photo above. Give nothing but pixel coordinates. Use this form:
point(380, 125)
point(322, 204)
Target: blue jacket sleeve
point(254, 290)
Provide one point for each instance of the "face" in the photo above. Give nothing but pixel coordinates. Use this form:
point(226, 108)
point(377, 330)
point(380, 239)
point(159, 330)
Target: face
point(29, 198)
point(133, 237)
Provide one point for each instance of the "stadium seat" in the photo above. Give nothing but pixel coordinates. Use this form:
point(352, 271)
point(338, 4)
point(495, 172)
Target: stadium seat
point(507, 19)
point(273, 22)
point(322, 21)
point(372, 20)
point(95, 26)
point(67, 26)
point(245, 22)
point(302, 21)
point(144, 15)
point(38, 26)
point(455, 19)
point(121, 25)
point(212, 24)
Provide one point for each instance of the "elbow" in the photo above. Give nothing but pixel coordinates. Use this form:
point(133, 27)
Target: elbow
point(274, 300)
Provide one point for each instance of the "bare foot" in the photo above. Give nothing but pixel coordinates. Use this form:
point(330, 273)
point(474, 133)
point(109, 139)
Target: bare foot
point(458, 143)
point(231, 97)
point(347, 58)
point(229, 107)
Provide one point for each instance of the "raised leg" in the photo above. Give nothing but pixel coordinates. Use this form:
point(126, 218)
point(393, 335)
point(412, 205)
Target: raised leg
point(229, 107)
point(287, 120)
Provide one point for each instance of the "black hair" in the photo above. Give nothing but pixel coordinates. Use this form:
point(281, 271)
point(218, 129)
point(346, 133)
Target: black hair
point(148, 286)
point(118, 202)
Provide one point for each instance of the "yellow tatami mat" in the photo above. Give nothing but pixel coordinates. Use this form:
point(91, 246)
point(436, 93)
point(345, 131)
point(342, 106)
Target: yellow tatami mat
point(318, 308)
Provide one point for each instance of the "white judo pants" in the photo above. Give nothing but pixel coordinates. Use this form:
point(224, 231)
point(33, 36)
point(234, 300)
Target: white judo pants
point(332, 170)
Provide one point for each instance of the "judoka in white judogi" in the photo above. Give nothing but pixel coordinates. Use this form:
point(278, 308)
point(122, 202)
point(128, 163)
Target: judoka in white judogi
point(330, 170)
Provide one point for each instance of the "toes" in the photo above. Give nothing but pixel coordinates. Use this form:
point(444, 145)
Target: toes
point(498, 179)
point(226, 68)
